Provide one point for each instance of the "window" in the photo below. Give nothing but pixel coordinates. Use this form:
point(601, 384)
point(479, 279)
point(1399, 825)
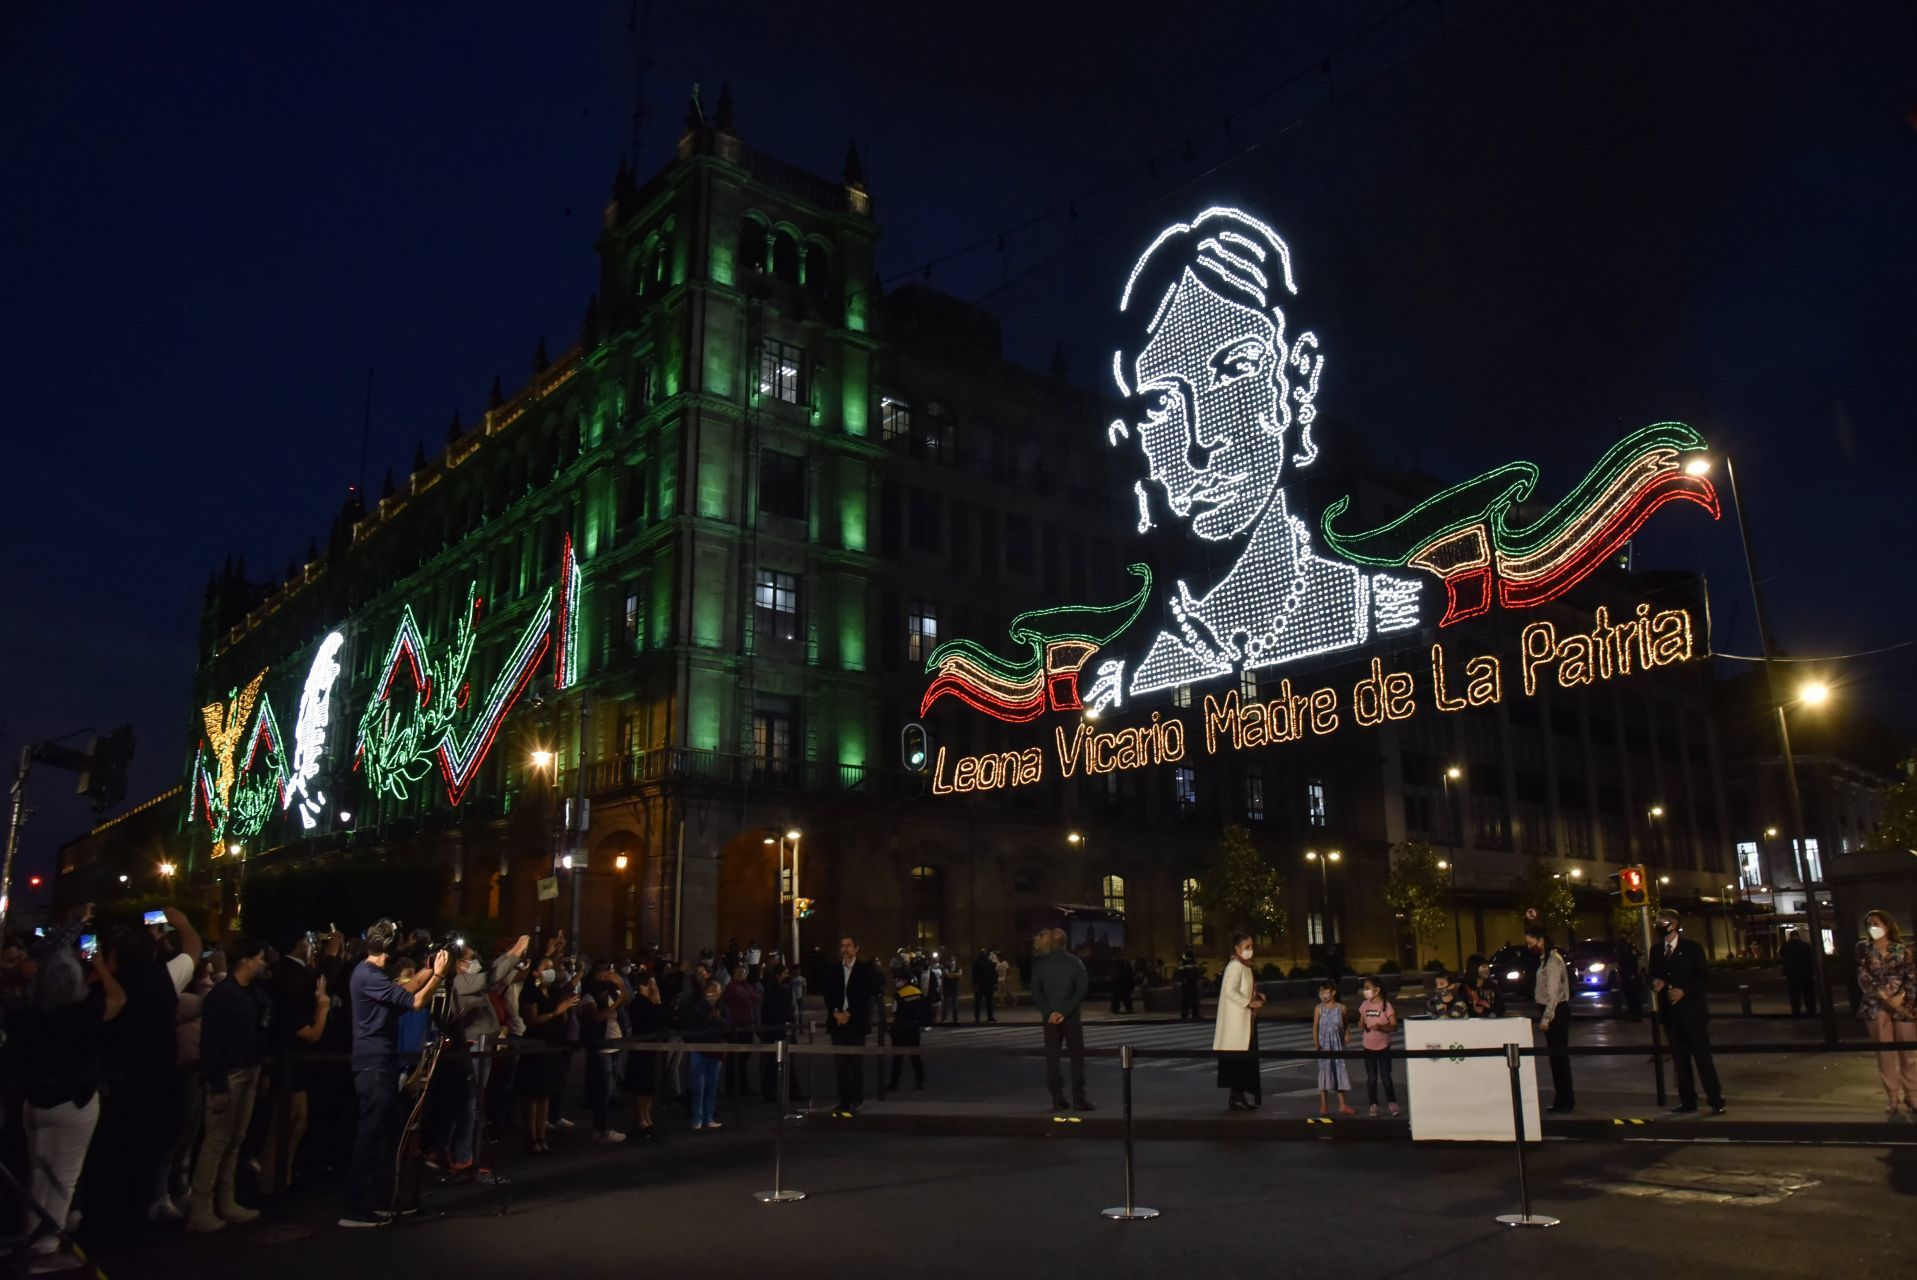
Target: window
point(1248, 685)
point(775, 737)
point(895, 419)
point(1315, 802)
point(752, 244)
point(782, 484)
point(1181, 696)
point(1750, 866)
point(776, 605)
point(1810, 866)
point(1194, 914)
point(927, 893)
point(1018, 543)
point(629, 629)
point(1255, 795)
point(938, 437)
point(1185, 789)
point(1112, 888)
point(780, 370)
point(921, 630)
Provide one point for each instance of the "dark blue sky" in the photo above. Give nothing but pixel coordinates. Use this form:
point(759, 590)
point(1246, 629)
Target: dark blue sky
point(1519, 230)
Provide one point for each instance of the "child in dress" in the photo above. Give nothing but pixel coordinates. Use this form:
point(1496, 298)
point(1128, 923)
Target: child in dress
point(1329, 1034)
point(1378, 1019)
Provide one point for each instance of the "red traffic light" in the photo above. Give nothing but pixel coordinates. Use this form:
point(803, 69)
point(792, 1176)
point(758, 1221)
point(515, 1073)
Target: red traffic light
point(1634, 886)
point(33, 882)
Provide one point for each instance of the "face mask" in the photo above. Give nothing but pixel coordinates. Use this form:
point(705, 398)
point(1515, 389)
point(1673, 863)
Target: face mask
point(548, 977)
point(1877, 931)
point(469, 966)
point(1245, 955)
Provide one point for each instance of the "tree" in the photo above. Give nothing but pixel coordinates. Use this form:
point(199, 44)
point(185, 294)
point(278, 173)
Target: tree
point(1420, 889)
point(1243, 888)
point(1897, 829)
point(1546, 890)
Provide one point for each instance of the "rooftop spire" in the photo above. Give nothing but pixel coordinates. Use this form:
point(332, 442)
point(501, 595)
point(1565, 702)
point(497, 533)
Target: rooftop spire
point(854, 170)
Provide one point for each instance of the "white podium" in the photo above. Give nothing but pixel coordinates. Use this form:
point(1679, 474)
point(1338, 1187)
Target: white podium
point(1468, 1099)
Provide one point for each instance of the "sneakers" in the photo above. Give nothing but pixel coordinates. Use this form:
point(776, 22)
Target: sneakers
point(609, 1137)
point(1373, 1113)
point(163, 1210)
point(358, 1220)
point(1394, 1109)
point(203, 1223)
point(562, 1123)
point(234, 1211)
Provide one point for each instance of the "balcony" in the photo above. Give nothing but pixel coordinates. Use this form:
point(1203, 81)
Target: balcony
point(722, 769)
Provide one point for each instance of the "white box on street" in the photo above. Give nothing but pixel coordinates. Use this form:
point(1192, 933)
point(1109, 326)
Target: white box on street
point(1468, 1099)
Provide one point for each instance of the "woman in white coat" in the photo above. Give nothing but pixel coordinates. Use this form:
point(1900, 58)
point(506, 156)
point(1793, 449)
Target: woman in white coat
point(1234, 1038)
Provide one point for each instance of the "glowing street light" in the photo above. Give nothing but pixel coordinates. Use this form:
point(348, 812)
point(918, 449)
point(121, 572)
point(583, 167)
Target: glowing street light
point(1657, 811)
point(1813, 693)
point(1700, 465)
point(541, 759)
point(1770, 833)
point(167, 869)
point(122, 879)
point(1074, 838)
point(1663, 879)
point(1454, 773)
point(345, 816)
point(234, 849)
point(621, 862)
point(1577, 873)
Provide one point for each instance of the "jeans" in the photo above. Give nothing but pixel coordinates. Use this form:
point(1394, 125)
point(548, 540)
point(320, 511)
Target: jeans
point(57, 1139)
point(479, 1069)
point(1070, 1035)
point(1378, 1068)
point(704, 1070)
point(227, 1118)
point(369, 1180)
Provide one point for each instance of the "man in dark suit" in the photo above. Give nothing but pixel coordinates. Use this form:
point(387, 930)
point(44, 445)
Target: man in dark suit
point(1680, 981)
point(1798, 971)
point(848, 990)
point(984, 986)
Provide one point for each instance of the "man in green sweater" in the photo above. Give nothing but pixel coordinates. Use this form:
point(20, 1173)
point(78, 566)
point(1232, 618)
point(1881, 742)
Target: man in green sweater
point(1059, 987)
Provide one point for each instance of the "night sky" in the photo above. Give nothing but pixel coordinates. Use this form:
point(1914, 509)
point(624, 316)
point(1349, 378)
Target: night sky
point(1519, 230)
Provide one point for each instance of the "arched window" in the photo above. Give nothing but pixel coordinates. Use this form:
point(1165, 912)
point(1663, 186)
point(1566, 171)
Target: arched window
point(785, 256)
point(1113, 888)
point(927, 905)
point(818, 270)
point(1194, 914)
point(752, 244)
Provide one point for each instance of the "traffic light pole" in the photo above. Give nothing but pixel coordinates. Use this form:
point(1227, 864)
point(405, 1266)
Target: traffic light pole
point(14, 823)
point(1657, 1045)
point(104, 790)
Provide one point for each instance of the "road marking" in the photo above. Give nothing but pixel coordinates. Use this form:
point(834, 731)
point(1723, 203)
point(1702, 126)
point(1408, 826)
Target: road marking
point(1698, 1185)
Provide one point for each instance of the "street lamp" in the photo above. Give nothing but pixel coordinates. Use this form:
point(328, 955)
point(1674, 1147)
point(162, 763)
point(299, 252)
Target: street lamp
point(167, 869)
point(1813, 693)
point(1700, 465)
point(792, 835)
point(1324, 875)
point(1457, 926)
point(621, 862)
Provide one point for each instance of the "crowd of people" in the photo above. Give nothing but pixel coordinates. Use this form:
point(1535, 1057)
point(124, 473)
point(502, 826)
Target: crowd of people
point(156, 1082)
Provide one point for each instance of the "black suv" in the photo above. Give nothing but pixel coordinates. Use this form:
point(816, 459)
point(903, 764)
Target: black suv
point(1516, 970)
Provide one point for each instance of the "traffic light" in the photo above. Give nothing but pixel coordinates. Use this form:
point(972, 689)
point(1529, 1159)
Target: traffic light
point(103, 781)
point(33, 882)
point(915, 747)
point(802, 907)
point(1634, 886)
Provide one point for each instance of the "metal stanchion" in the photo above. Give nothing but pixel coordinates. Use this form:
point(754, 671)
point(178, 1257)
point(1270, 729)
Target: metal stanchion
point(779, 1194)
point(1524, 1217)
point(1127, 1212)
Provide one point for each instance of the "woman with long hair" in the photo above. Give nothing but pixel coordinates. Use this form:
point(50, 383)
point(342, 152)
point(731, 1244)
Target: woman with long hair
point(1887, 976)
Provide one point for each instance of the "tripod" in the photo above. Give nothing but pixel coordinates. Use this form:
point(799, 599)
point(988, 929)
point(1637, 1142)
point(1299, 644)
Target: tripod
point(410, 1160)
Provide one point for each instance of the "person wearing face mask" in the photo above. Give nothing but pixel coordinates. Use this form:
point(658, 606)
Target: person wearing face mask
point(475, 987)
point(1486, 996)
point(542, 1073)
point(1553, 994)
point(1679, 979)
point(1887, 977)
point(704, 1023)
point(1234, 1036)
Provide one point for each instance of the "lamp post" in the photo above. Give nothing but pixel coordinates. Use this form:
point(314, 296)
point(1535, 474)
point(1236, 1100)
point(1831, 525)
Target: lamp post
point(792, 835)
point(1814, 694)
point(1324, 875)
point(1457, 929)
point(1077, 840)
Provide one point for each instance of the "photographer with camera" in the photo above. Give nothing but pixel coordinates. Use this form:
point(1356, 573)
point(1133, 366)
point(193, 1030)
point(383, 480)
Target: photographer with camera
point(377, 1003)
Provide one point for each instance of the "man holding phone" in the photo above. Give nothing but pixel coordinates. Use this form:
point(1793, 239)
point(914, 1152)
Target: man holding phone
point(377, 1003)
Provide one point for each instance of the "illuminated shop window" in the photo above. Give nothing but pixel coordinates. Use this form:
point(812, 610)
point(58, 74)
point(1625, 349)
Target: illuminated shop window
point(1194, 914)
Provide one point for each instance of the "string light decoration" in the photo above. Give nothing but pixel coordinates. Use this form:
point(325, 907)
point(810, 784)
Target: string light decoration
point(566, 654)
point(1060, 641)
point(309, 732)
point(398, 746)
point(224, 723)
point(1467, 538)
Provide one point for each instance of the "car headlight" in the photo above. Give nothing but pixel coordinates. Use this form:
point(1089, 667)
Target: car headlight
point(1513, 976)
point(1596, 968)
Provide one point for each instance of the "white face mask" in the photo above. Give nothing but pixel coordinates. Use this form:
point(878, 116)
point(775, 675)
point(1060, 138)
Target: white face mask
point(547, 976)
point(469, 966)
point(1877, 931)
point(1245, 955)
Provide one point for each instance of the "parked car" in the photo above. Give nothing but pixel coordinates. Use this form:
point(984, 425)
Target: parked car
point(1593, 965)
point(1516, 970)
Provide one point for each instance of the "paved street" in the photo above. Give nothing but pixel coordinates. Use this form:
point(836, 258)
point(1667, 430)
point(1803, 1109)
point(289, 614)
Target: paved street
point(1024, 1207)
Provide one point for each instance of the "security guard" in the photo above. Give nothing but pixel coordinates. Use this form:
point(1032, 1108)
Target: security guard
point(909, 1011)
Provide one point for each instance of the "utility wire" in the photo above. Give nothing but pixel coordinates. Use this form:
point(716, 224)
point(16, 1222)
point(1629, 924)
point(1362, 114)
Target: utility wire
point(1829, 657)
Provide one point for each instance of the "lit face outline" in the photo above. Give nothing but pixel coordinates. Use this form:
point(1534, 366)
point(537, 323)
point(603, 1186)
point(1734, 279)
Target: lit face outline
point(1214, 434)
